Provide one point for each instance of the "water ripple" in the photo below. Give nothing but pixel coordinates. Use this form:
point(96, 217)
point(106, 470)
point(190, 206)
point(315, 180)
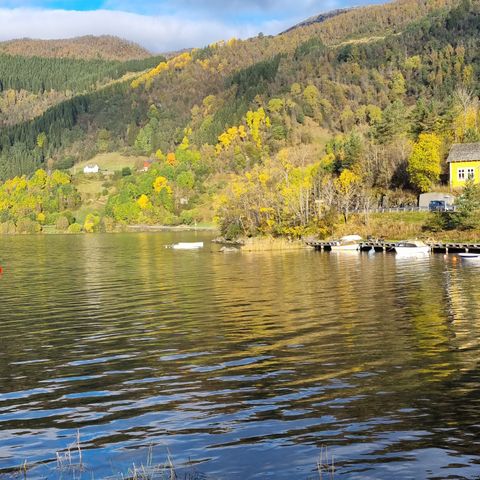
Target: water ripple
point(247, 364)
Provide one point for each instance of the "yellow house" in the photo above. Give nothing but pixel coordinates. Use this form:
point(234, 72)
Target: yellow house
point(464, 163)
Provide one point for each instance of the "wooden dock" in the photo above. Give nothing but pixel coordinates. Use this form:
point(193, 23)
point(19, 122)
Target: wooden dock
point(387, 246)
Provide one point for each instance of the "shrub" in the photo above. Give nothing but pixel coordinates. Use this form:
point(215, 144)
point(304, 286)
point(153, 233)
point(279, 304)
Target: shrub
point(7, 228)
point(51, 218)
point(466, 215)
point(231, 230)
point(69, 215)
point(62, 223)
point(41, 218)
point(436, 222)
point(187, 217)
point(74, 228)
point(5, 216)
point(92, 223)
point(108, 224)
point(28, 226)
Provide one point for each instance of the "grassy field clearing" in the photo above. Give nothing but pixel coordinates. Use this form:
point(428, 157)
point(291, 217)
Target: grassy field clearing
point(110, 162)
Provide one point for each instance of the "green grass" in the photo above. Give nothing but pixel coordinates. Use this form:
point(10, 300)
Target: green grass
point(110, 162)
point(406, 217)
point(89, 186)
point(391, 225)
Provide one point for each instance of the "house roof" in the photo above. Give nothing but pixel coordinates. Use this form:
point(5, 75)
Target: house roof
point(464, 152)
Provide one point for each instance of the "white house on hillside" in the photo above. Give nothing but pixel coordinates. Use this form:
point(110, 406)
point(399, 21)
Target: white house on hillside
point(91, 169)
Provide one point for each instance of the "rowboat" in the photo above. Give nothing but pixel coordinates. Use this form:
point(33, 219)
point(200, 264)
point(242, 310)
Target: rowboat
point(187, 245)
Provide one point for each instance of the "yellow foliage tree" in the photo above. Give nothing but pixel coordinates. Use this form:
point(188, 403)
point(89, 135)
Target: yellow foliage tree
point(176, 63)
point(91, 223)
point(467, 123)
point(39, 179)
point(296, 89)
point(59, 178)
point(160, 184)
point(42, 140)
point(424, 166)
point(346, 187)
point(160, 156)
point(311, 95)
point(228, 137)
point(255, 120)
point(41, 218)
point(143, 202)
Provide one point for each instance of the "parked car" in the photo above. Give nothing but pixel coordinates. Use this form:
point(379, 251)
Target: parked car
point(439, 206)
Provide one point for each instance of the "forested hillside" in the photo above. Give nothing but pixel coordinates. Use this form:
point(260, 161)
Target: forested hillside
point(283, 135)
point(62, 74)
point(88, 47)
point(30, 85)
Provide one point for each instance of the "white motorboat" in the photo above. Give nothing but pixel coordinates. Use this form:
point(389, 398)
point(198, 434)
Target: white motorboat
point(348, 243)
point(412, 247)
point(470, 256)
point(187, 246)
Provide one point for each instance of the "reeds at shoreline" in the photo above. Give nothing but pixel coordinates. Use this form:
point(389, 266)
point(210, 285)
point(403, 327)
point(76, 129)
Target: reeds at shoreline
point(70, 465)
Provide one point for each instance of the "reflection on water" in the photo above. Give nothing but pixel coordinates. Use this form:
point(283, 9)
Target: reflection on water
point(246, 364)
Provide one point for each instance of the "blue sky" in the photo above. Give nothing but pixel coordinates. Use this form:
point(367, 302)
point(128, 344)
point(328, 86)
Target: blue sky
point(161, 25)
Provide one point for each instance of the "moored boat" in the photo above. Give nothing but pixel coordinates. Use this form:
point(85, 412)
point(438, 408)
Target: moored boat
point(412, 247)
point(347, 243)
point(470, 256)
point(187, 246)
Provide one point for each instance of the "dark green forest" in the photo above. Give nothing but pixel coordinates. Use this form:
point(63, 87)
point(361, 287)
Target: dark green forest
point(37, 74)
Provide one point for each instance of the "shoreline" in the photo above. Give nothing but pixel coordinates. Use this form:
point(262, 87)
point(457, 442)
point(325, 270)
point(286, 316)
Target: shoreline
point(169, 228)
point(251, 244)
point(51, 230)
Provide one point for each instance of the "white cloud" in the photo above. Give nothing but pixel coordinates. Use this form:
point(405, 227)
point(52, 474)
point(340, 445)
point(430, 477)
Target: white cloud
point(158, 33)
point(222, 8)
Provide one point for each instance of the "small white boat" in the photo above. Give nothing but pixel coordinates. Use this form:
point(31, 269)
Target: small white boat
point(412, 247)
point(470, 256)
point(187, 245)
point(347, 243)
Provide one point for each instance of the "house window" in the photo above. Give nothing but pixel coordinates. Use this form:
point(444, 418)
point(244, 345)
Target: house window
point(461, 174)
point(470, 173)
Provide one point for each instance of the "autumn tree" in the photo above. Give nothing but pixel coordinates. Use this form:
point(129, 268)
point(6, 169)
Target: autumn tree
point(424, 166)
point(347, 187)
point(92, 222)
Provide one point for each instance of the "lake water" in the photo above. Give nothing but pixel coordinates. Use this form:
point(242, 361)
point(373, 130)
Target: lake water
point(245, 364)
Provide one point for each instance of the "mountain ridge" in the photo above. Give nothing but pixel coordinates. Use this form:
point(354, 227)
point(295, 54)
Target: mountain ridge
point(319, 18)
point(87, 47)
